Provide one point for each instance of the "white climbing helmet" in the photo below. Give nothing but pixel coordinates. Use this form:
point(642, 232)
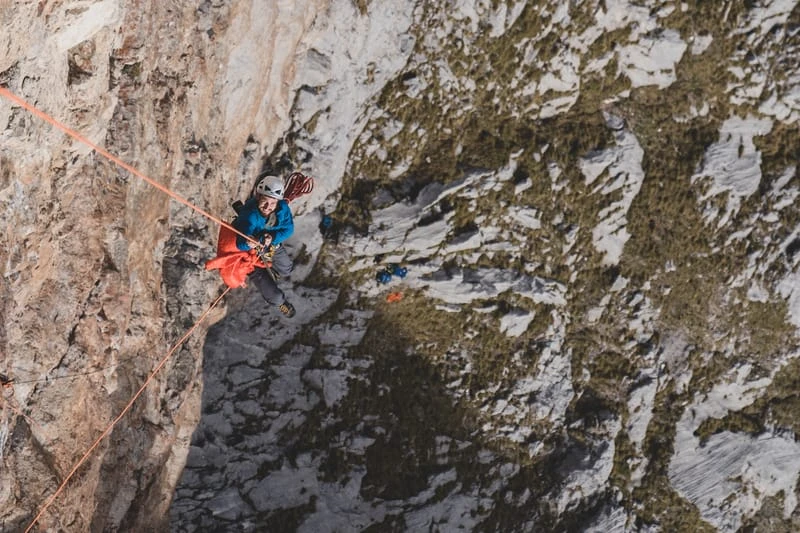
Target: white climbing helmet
point(271, 186)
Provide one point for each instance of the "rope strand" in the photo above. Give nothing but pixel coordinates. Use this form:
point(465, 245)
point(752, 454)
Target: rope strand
point(297, 185)
point(124, 411)
point(116, 160)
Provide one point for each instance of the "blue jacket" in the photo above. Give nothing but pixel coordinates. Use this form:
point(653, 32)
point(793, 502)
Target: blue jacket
point(251, 222)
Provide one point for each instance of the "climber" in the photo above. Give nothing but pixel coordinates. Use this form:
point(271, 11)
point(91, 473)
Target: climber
point(266, 217)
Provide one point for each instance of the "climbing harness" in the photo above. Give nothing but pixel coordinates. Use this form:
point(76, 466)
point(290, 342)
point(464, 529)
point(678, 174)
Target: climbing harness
point(266, 254)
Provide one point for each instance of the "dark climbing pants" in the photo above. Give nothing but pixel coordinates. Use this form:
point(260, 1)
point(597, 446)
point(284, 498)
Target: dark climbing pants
point(281, 265)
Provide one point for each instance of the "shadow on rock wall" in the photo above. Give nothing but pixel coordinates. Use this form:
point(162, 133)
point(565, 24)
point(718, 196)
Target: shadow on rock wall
point(327, 423)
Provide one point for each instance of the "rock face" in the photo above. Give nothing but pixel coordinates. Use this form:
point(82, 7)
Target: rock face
point(595, 202)
point(101, 272)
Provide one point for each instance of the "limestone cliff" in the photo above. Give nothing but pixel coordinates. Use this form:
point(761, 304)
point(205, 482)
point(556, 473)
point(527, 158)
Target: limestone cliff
point(596, 203)
point(102, 272)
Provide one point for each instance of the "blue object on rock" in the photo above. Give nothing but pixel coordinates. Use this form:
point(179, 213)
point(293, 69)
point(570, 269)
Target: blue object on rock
point(399, 271)
point(384, 276)
point(327, 222)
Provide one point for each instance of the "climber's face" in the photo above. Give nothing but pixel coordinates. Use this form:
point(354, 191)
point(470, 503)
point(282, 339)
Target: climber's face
point(267, 204)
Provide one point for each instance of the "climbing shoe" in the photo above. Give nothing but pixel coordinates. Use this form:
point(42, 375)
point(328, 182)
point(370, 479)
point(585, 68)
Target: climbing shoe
point(287, 309)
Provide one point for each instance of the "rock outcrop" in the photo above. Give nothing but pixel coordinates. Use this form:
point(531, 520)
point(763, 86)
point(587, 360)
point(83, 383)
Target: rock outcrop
point(595, 202)
point(102, 272)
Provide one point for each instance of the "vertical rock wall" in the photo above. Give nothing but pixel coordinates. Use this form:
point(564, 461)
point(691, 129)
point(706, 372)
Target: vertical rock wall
point(101, 273)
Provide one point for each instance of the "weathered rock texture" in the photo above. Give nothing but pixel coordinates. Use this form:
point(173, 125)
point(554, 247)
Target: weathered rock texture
point(596, 202)
point(102, 272)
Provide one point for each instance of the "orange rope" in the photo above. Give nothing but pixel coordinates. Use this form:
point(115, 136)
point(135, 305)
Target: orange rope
point(114, 159)
point(125, 410)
